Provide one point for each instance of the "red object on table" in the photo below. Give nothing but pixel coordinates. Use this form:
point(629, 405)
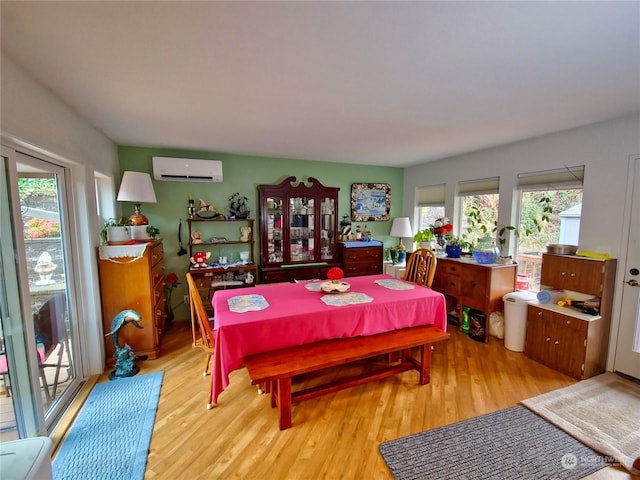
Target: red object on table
point(296, 316)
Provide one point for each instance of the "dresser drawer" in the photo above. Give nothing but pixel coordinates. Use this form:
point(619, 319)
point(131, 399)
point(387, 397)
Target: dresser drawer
point(450, 268)
point(156, 254)
point(157, 273)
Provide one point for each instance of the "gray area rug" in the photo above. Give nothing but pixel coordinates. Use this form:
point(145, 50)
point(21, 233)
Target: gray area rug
point(513, 444)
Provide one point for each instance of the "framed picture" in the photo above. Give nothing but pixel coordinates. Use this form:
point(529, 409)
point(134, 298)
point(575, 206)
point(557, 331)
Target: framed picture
point(370, 202)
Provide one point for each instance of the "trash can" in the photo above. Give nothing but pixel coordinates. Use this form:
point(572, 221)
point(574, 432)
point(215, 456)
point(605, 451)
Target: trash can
point(515, 319)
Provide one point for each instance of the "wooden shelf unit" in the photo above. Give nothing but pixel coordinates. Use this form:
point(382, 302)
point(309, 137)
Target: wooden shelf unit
point(216, 276)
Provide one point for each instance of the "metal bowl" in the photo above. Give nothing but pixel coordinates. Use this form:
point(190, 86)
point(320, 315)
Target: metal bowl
point(560, 249)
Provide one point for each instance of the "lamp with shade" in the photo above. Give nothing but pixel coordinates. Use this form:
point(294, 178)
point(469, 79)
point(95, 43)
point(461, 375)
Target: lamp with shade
point(136, 187)
point(401, 228)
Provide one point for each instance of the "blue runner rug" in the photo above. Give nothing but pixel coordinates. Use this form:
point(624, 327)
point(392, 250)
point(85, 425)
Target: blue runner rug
point(110, 437)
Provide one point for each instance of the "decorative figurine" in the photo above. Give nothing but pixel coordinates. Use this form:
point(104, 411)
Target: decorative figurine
point(45, 267)
point(199, 259)
point(124, 356)
point(196, 237)
point(244, 233)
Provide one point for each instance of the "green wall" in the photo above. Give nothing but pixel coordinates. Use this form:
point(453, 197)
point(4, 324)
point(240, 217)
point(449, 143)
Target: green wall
point(243, 174)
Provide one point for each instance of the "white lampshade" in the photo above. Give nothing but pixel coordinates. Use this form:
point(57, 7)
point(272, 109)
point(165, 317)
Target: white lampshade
point(401, 227)
point(136, 187)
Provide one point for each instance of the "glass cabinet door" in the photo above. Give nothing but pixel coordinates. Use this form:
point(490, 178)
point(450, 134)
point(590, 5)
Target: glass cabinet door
point(301, 233)
point(274, 229)
point(327, 232)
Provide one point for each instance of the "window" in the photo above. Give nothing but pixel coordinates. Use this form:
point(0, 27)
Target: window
point(480, 196)
point(561, 189)
point(430, 202)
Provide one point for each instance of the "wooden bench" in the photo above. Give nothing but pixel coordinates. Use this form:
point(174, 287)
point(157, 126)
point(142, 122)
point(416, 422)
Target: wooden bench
point(275, 368)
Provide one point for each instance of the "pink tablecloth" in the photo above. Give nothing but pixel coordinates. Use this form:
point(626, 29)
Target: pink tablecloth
point(296, 316)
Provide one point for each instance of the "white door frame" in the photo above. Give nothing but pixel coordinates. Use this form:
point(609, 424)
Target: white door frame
point(626, 327)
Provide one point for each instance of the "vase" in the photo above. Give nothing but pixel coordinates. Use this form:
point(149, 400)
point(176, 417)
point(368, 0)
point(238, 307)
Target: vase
point(485, 251)
point(453, 251)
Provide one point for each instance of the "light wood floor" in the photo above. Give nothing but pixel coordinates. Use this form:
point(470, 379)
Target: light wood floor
point(334, 436)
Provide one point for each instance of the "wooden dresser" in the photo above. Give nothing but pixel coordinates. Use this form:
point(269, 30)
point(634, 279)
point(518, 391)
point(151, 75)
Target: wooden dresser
point(133, 279)
point(564, 338)
point(363, 258)
point(467, 283)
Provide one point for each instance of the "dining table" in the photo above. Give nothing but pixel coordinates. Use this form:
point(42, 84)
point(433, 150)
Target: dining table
point(274, 316)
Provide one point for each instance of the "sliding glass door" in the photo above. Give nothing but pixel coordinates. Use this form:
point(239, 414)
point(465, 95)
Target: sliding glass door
point(39, 357)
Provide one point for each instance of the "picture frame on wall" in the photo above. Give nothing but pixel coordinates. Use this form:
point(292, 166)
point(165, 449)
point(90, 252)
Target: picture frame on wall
point(370, 202)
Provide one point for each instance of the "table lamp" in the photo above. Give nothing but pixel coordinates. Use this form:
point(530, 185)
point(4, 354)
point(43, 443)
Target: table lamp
point(401, 228)
point(136, 187)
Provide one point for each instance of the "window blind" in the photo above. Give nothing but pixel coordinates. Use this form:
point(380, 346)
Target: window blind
point(479, 187)
point(558, 179)
point(431, 195)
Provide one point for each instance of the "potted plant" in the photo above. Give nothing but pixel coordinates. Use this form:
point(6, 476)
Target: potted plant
point(398, 254)
point(424, 238)
point(453, 247)
point(115, 231)
point(239, 206)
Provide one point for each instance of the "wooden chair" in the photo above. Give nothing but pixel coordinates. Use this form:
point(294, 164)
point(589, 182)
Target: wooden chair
point(201, 324)
point(421, 267)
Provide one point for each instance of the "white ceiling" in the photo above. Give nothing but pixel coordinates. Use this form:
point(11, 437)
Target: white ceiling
point(379, 83)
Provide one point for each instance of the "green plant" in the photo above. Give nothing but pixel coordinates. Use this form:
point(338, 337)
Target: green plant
point(112, 222)
point(425, 235)
point(152, 231)
point(476, 223)
point(239, 206)
point(455, 241)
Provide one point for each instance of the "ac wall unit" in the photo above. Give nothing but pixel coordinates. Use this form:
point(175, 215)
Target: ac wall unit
point(186, 170)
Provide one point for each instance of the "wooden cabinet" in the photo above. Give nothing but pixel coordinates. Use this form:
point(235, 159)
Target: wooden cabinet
point(560, 341)
point(467, 283)
point(578, 274)
point(225, 241)
point(132, 277)
point(364, 258)
point(563, 338)
point(298, 230)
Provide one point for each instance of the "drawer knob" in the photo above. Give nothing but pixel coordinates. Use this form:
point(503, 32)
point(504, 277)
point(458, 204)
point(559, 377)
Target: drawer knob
point(556, 342)
point(548, 339)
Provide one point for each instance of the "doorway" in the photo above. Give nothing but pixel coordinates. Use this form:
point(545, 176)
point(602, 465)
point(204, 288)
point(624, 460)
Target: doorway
point(39, 357)
point(627, 357)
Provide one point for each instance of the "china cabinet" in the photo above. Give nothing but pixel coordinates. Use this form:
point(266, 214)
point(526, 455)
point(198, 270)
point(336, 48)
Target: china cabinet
point(565, 338)
point(132, 277)
point(230, 244)
point(298, 230)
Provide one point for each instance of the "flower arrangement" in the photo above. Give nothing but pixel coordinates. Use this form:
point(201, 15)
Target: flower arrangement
point(335, 274)
point(171, 282)
point(442, 227)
